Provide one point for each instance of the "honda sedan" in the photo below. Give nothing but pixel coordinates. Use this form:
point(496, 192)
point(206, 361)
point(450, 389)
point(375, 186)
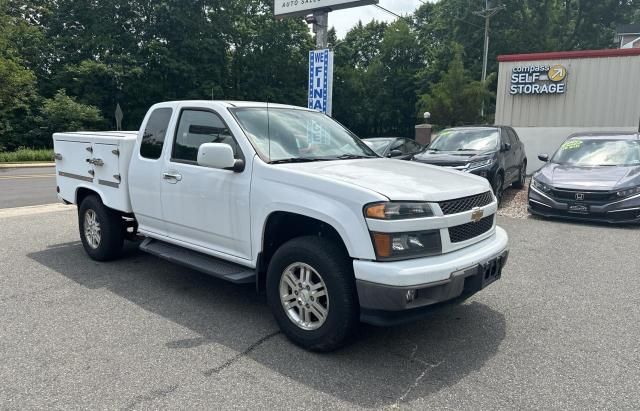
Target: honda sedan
point(592, 177)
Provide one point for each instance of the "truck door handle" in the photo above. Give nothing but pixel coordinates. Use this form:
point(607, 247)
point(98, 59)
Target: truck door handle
point(172, 177)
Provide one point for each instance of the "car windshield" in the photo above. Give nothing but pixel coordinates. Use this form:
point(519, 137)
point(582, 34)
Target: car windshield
point(289, 135)
point(598, 152)
point(378, 145)
point(466, 140)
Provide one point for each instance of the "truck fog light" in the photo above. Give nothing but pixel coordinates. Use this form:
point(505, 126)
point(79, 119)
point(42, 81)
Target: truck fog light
point(411, 295)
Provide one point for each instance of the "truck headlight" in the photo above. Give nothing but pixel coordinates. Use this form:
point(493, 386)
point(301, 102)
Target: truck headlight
point(540, 186)
point(397, 210)
point(401, 246)
point(628, 192)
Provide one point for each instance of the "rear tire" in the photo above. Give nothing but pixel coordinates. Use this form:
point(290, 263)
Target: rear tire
point(329, 269)
point(522, 176)
point(100, 229)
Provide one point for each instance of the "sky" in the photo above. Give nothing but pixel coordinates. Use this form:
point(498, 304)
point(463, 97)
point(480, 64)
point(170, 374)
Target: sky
point(343, 20)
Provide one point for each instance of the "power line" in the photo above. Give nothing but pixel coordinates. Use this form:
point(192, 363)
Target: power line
point(397, 15)
point(487, 13)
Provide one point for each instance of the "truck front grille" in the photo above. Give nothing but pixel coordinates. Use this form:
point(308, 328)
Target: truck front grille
point(460, 205)
point(471, 230)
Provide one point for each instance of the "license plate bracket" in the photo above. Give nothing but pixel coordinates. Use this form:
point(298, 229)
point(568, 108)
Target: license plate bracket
point(578, 208)
point(487, 273)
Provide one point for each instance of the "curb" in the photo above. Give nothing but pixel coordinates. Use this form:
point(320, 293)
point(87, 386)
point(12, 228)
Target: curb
point(32, 210)
point(27, 165)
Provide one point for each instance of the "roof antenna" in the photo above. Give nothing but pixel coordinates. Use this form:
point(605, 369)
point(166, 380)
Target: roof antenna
point(269, 126)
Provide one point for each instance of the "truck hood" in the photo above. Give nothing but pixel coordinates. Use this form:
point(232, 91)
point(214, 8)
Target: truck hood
point(397, 179)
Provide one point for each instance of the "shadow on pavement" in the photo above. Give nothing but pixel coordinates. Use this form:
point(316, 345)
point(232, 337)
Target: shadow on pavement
point(383, 367)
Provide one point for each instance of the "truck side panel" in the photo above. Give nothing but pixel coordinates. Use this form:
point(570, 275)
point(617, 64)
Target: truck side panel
point(96, 161)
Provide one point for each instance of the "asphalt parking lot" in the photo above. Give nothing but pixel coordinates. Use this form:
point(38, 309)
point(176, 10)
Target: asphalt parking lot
point(559, 331)
point(27, 186)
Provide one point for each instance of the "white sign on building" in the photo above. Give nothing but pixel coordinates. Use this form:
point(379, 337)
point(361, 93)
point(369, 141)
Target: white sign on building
point(320, 80)
point(303, 7)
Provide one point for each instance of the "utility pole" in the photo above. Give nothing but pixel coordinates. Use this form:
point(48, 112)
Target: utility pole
point(321, 28)
point(487, 13)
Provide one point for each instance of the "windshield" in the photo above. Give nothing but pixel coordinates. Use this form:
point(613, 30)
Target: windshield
point(466, 140)
point(293, 134)
point(379, 146)
point(595, 152)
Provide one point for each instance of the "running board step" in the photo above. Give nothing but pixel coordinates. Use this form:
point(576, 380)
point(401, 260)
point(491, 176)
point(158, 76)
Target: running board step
point(200, 262)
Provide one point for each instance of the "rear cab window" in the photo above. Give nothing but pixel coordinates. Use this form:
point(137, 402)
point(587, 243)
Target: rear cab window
point(155, 132)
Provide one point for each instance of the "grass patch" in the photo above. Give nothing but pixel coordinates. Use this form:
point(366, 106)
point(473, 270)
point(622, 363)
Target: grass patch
point(26, 154)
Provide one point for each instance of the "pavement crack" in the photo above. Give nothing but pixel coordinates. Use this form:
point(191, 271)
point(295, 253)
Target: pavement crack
point(427, 367)
point(151, 396)
point(237, 357)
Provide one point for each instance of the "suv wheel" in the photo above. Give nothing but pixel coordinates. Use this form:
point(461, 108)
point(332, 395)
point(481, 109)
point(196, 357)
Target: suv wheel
point(522, 176)
point(312, 294)
point(100, 229)
point(498, 187)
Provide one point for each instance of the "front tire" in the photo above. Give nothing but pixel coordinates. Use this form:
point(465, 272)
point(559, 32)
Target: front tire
point(498, 187)
point(312, 293)
point(100, 229)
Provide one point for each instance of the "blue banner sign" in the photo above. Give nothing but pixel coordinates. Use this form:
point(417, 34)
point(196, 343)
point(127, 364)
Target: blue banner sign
point(320, 80)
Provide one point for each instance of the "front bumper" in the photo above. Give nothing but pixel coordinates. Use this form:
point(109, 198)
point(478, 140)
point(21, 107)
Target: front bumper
point(400, 291)
point(618, 212)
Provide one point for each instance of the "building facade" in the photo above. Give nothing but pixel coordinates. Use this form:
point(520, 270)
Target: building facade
point(548, 96)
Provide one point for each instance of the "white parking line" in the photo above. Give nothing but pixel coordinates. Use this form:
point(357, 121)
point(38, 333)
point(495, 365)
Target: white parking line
point(31, 210)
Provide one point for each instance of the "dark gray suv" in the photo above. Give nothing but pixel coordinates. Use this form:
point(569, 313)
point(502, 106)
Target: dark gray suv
point(493, 152)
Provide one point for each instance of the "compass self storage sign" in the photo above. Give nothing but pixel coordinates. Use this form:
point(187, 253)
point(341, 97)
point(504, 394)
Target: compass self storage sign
point(538, 79)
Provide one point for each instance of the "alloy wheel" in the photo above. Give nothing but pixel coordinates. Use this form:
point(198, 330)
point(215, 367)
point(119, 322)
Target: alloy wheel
point(303, 295)
point(92, 229)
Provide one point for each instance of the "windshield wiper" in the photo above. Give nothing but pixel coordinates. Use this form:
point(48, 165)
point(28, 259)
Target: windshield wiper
point(352, 156)
point(297, 160)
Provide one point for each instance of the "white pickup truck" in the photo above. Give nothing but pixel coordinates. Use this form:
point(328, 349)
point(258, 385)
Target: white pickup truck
point(288, 199)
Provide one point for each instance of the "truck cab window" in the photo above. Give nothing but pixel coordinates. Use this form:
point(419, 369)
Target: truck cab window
point(154, 133)
point(197, 127)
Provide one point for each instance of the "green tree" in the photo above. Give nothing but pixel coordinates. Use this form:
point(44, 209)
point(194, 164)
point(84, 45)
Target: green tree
point(268, 56)
point(455, 99)
point(64, 113)
point(352, 96)
point(17, 86)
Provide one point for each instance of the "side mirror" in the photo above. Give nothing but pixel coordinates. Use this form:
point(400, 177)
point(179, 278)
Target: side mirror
point(506, 147)
point(543, 157)
point(216, 155)
point(395, 153)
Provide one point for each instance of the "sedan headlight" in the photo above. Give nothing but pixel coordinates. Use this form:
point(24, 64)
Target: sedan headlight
point(397, 211)
point(401, 246)
point(481, 163)
point(628, 192)
point(540, 186)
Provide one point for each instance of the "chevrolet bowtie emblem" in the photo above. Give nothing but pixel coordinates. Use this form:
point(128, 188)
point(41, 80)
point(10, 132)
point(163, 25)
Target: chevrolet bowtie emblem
point(477, 215)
